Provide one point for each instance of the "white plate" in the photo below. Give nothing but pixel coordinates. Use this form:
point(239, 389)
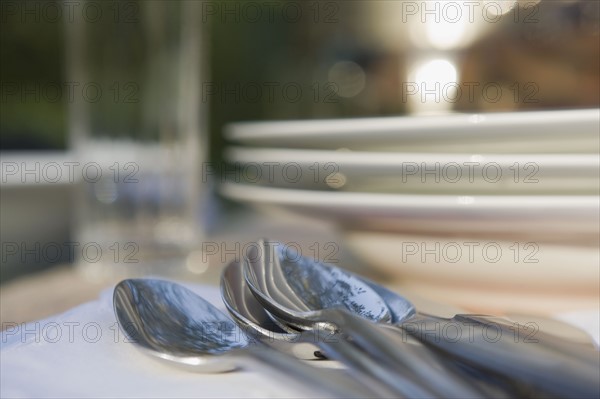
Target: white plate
point(547, 218)
point(520, 265)
point(418, 172)
point(510, 132)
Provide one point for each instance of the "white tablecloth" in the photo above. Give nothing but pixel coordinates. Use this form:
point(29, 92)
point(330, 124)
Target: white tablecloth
point(82, 353)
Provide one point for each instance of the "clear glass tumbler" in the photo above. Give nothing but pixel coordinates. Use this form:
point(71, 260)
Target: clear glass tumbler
point(137, 130)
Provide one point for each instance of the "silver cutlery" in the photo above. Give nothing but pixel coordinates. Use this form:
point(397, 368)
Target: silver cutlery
point(249, 313)
point(486, 346)
point(173, 324)
point(315, 298)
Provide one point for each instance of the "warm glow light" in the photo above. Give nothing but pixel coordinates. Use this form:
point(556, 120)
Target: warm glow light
point(448, 25)
point(446, 34)
point(432, 86)
point(437, 72)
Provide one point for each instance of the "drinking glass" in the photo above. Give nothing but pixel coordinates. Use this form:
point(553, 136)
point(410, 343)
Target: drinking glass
point(137, 131)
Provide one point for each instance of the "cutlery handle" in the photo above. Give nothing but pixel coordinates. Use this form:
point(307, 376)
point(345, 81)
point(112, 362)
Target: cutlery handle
point(540, 363)
point(402, 360)
point(324, 383)
point(388, 382)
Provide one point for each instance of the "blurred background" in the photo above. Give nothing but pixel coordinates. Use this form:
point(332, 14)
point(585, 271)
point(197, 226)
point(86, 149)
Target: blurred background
point(143, 89)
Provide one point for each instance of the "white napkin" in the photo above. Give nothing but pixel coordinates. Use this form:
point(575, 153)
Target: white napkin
point(82, 353)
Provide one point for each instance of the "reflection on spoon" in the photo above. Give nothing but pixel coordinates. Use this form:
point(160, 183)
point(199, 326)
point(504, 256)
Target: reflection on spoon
point(172, 323)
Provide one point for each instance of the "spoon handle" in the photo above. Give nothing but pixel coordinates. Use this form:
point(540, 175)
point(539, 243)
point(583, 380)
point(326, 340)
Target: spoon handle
point(387, 381)
point(402, 360)
point(325, 383)
point(540, 363)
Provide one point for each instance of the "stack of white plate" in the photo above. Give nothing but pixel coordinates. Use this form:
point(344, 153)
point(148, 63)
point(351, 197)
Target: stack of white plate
point(502, 201)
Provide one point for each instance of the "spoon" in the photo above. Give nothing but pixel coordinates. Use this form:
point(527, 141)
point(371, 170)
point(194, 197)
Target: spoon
point(248, 312)
point(546, 365)
point(256, 322)
point(172, 323)
point(325, 297)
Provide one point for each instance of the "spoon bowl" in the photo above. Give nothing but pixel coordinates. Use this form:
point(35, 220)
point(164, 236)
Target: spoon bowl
point(173, 324)
point(299, 291)
point(255, 320)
